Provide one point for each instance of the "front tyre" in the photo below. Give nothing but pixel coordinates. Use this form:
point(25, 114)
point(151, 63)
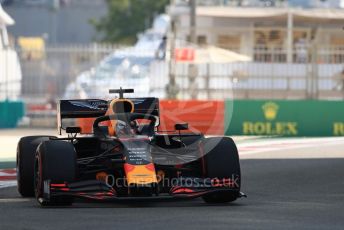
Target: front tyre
point(26, 150)
point(222, 162)
point(55, 162)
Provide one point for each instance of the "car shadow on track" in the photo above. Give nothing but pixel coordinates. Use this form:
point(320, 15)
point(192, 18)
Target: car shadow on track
point(145, 204)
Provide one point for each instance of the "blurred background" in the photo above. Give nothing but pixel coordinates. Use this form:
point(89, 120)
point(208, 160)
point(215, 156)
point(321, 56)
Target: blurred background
point(232, 51)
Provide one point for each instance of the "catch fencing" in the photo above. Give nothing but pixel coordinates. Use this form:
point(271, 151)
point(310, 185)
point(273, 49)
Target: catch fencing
point(55, 72)
point(316, 74)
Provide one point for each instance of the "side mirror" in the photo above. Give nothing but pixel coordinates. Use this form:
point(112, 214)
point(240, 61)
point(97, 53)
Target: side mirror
point(181, 126)
point(73, 130)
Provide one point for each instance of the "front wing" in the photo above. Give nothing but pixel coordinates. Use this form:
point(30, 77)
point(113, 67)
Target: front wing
point(99, 191)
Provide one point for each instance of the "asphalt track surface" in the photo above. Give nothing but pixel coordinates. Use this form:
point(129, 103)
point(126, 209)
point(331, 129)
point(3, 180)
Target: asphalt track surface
point(282, 194)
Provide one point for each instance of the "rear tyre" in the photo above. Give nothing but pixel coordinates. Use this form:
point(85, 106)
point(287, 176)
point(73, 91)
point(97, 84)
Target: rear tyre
point(222, 162)
point(26, 150)
point(55, 161)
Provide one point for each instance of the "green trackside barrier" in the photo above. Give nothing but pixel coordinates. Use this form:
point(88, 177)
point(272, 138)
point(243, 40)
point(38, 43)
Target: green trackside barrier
point(285, 118)
point(10, 113)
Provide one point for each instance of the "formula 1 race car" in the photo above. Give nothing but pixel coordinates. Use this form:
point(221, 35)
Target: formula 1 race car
point(126, 157)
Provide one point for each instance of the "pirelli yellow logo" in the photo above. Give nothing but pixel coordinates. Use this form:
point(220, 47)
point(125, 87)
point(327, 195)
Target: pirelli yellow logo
point(270, 126)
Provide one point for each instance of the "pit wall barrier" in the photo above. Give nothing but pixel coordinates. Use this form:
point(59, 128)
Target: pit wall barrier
point(284, 118)
point(11, 112)
point(251, 117)
point(203, 116)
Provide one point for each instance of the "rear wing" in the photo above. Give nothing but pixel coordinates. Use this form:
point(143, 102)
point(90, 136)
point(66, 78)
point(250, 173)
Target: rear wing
point(92, 108)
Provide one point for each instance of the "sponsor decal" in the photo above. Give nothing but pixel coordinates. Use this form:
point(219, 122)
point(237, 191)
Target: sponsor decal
point(270, 110)
point(270, 126)
point(338, 128)
point(137, 101)
point(87, 104)
point(102, 176)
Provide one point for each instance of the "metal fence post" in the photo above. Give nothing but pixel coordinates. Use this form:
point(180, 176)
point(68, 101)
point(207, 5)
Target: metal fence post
point(172, 88)
point(309, 73)
point(314, 72)
point(192, 75)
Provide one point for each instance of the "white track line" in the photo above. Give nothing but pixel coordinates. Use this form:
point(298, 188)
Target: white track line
point(286, 144)
point(6, 184)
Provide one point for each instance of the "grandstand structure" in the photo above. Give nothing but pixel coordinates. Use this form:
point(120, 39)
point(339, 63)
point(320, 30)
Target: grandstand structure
point(296, 52)
point(246, 29)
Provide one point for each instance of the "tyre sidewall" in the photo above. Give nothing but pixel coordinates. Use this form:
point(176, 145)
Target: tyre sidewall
point(26, 150)
point(222, 162)
point(56, 162)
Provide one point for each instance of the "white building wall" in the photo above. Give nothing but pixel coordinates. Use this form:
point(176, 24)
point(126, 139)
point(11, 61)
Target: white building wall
point(10, 71)
point(328, 3)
